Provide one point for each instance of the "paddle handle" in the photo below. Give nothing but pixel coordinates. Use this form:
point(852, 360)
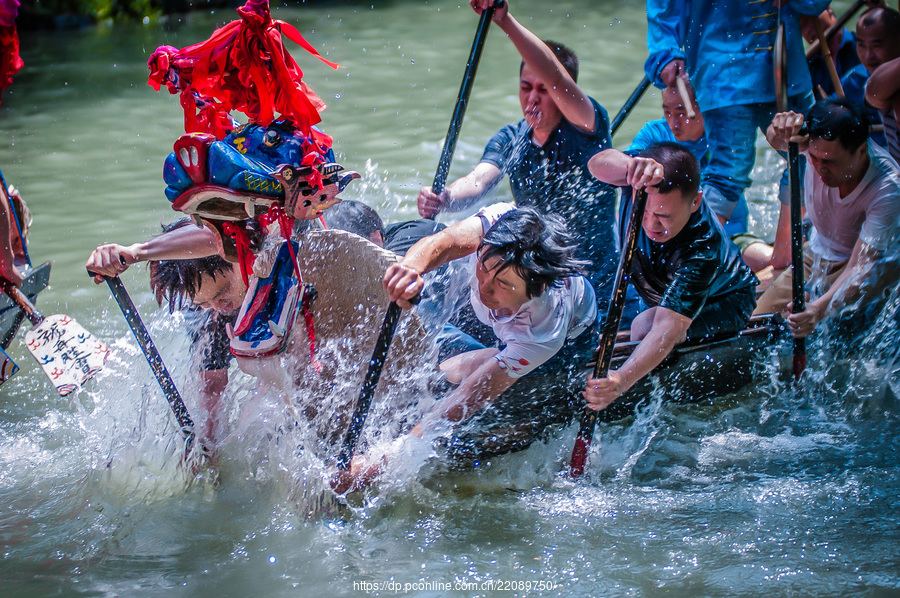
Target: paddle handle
point(610, 329)
point(176, 404)
point(462, 100)
point(629, 105)
point(829, 61)
point(842, 20)
point(27, 307)
point(797, 286)
point(373, 375)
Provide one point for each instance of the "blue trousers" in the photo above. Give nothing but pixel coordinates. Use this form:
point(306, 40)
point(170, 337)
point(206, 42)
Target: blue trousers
point(731, 131)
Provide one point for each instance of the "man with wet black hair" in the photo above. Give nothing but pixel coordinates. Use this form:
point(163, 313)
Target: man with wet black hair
point(684, 267)
point(545, 154)
point(525, 284)
point(208, 290)
point(852, 196)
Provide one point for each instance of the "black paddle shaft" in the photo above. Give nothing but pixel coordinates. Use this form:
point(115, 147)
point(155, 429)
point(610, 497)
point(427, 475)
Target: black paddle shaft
point(153, 359)
point(373, 374)
point(610, 330)
point(629, 105)
point(462, 101)
point(797, 286)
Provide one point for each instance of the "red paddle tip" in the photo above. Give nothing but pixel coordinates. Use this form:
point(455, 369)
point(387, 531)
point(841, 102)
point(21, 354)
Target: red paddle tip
point(579, 457)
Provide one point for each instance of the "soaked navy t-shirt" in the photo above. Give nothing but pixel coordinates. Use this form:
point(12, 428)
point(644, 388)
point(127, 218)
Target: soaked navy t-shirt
point(696, 267)
point(554, 178)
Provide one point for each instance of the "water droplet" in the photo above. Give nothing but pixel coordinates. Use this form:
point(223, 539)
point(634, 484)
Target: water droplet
point(412, 61)
point(337, 96)
point(272, 559)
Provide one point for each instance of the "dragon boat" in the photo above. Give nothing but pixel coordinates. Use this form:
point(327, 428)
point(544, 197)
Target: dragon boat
point(240, 180)
point(530, 411)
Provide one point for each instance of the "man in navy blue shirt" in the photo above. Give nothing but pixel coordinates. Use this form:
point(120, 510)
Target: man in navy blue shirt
point(546, 153)
point(685, 267)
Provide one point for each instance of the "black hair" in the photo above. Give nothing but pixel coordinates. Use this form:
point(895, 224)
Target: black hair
point(682, 172)
point(885, 15)
point(838, 119)
point(538, 247)
point(355, 217)
point(564, 55)
point(177, 280)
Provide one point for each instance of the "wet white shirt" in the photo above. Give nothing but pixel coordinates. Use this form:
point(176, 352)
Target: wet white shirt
point(870, 212)
point(539, 329)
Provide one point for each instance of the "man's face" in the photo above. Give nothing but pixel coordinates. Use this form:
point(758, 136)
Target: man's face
point(675, 113)
point(874, 46)
point(500, 290)
point(541, 112)
point(223, 294)
point(835, 164)
point(666, 214)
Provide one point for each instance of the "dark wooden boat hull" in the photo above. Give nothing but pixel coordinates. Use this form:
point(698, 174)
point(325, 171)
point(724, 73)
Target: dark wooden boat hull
point(11, 317)
point(535, 408)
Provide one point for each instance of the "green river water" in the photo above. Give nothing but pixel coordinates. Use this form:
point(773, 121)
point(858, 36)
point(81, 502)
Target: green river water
point(763, 493)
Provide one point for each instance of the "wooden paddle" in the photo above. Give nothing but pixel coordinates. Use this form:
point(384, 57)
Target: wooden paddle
point(629, 105)
point(842, 20)
point(797, 290)
point(176, 404)
point(68, 354)
point(373, 374)
point(797, 287)
point(829, 61)
point(383, 344)
point(462, 100)
point(610, 330)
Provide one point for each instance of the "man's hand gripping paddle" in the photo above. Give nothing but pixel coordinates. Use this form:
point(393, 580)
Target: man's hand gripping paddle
point(610, 328)
point(68, 354)
point(392, 317)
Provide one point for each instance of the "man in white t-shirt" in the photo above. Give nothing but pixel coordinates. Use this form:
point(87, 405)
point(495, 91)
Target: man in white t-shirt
point(526, 286)
point(852, 197)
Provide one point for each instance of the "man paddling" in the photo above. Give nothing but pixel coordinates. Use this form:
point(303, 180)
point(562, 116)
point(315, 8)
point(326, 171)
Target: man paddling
point(852, 196)
point(525, 284)
point(188, 274)
point(545, 154)
point(684, 267)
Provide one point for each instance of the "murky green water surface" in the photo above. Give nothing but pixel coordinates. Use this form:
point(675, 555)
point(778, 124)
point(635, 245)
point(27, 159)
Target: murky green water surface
point(763, 493)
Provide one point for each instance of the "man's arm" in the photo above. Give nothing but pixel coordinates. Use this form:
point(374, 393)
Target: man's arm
point(666, 22)
point(575, 105)
point(403, 281)
point(477, 390)
point(883, 87)
point(844, 289)
point(461, 194)
point(8, 269)
point(182, 243)
point(619, 169)
point(668, 329)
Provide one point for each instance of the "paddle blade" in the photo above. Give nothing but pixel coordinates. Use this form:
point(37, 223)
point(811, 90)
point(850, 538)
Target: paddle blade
point(68, 354)
point(579, 456)
point(8, 367)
